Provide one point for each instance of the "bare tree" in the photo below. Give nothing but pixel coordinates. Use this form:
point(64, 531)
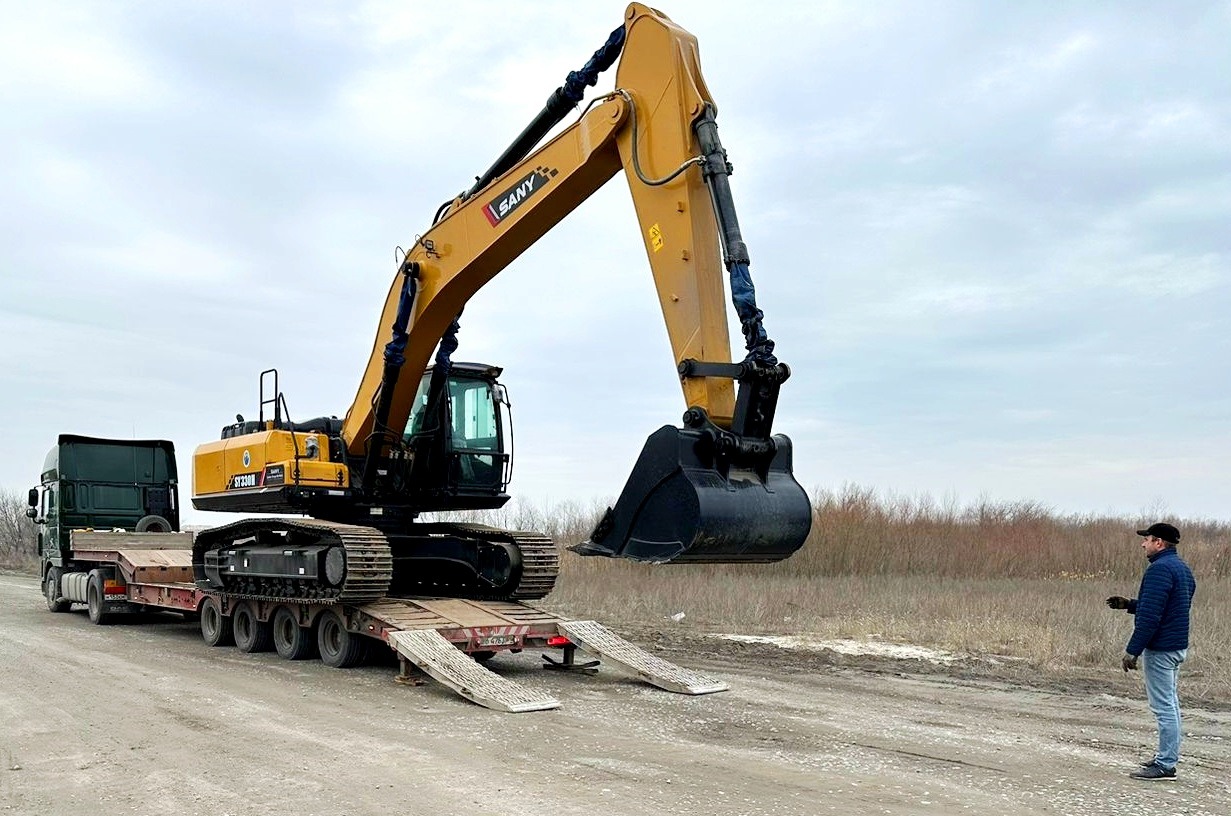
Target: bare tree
point(18, 535)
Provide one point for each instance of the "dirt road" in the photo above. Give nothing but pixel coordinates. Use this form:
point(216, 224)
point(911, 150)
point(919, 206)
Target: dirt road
point(145, 719)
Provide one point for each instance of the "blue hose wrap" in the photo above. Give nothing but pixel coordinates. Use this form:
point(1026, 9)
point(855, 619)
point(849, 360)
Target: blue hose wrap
point(395, 349)
point(744, 296)
point(574, 86)
point(448, 345)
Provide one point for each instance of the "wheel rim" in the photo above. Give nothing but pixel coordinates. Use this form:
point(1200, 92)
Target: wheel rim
point(243, 624)
point(284, 629)
point(333, 636)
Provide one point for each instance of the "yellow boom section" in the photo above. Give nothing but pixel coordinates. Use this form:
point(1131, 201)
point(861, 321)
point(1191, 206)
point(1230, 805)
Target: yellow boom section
point(645, 127)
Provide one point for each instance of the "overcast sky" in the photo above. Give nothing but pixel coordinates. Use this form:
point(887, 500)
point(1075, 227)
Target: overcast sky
point(991, 240)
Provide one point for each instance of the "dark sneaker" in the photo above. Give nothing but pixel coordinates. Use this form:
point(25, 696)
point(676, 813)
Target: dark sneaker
point(1152, 772)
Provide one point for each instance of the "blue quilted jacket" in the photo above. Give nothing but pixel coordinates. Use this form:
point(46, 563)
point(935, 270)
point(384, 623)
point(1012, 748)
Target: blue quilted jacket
point(1162, 605)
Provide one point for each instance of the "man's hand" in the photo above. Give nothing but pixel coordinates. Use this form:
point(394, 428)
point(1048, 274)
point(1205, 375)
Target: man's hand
point(1117, 602)
point(1129, 662)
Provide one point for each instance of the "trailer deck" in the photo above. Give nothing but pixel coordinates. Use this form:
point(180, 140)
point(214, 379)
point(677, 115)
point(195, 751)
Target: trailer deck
point(445, 638)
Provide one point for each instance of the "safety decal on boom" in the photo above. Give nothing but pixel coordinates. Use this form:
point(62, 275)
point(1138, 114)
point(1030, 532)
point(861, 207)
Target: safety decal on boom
point(656, 237)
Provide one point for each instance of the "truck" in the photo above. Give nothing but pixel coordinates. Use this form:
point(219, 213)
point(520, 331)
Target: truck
point(109, 538)
point(89, 483)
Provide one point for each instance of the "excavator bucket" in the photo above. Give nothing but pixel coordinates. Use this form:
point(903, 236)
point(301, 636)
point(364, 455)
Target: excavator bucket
point(682, 504)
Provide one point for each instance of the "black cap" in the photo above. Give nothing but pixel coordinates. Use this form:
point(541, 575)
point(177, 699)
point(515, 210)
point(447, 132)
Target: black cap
point(1162, 530)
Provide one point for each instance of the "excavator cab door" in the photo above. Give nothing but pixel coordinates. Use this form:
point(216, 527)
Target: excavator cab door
point(458, 440)
point(476, 449)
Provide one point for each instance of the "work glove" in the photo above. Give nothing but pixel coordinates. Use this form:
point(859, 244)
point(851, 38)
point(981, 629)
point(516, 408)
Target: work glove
point(1117, 602)
point(1129, 662)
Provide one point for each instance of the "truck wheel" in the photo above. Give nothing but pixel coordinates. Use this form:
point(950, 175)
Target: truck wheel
point(215, 627)
point(251, 633)
point(339, 648)
point(51, 589)
point(94, 596)
point(292, 641)
point(152, 524)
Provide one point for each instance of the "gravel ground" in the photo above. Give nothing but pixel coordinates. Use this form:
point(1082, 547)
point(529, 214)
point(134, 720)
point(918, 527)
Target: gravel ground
point(143, 718)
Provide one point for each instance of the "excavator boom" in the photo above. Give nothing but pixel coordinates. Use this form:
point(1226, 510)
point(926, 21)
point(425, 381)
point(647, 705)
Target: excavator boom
point(718, 490)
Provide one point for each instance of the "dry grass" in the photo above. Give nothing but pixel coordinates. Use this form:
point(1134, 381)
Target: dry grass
point(1006, 579)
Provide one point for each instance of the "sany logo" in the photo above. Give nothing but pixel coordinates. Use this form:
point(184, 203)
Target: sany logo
point(504, 204)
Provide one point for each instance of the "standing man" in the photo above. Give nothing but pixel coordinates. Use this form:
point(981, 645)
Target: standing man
point(1160, 635)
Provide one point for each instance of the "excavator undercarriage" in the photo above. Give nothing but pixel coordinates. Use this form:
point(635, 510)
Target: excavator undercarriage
point(325, 562)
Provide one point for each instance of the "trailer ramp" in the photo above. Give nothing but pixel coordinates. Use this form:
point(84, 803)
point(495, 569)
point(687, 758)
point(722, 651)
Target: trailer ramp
point(443, 661)
point(599, 640)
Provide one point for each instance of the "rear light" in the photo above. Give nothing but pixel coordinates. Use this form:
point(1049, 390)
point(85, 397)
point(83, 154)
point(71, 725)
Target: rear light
point(558, 640)
point(113, 588)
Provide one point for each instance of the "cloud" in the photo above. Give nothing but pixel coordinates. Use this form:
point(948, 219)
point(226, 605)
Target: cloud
point(976, 232)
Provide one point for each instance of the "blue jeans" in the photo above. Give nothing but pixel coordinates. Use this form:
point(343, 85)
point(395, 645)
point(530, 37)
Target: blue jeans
point(1162, 671)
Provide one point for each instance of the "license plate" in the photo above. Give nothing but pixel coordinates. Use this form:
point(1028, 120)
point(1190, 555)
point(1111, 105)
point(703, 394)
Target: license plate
point(498, 640)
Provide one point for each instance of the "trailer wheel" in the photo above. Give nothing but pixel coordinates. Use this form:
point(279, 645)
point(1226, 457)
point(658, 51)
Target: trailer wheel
point(482, 657)
point(94, 600)
point(339, 647)
point(215, 627)
point(251, 633)
point(292, 641)
point(51, 589)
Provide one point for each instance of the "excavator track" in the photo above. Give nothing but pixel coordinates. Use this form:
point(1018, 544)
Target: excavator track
point(538, 556)
point(540, 559)
point(368, 561)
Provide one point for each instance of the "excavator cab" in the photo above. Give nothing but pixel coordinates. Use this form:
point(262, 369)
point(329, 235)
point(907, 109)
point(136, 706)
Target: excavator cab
point(459, 437)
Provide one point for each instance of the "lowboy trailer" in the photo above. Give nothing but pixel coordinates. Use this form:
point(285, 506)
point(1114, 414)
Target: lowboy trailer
point(448, 639)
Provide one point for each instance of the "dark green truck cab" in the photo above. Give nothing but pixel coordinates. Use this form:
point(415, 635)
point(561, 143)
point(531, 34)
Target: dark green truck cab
point(90, 483)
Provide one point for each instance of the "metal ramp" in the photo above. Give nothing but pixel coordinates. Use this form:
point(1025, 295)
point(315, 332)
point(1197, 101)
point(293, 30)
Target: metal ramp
point(443, 661)
point(599, 640)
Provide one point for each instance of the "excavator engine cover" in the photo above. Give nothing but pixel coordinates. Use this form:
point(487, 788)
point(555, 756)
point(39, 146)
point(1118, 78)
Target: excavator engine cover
point(684, 504)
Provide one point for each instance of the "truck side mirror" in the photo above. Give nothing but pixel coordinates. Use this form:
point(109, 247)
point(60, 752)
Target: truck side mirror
point(31, 512)
point(32, 497)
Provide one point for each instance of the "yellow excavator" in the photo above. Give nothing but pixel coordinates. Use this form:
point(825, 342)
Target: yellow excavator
point(427, 435)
